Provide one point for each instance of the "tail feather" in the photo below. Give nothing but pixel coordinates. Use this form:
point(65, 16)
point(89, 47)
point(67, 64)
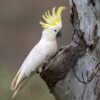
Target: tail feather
point(13, 84)
point(20, 86)
point(19, 81)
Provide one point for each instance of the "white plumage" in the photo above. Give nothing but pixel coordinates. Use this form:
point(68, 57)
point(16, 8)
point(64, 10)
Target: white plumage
point(46, 47)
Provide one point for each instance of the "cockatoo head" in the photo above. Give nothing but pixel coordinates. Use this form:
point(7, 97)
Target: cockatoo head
point(53, 23)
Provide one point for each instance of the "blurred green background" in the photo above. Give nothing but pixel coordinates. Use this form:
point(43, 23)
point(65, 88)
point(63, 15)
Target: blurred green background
point(19, 32)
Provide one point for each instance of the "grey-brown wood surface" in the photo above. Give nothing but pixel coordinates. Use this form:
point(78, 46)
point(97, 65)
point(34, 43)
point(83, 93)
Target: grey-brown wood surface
point(74, 72)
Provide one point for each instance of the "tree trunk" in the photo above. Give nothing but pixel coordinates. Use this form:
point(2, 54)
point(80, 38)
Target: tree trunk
point(74, 72)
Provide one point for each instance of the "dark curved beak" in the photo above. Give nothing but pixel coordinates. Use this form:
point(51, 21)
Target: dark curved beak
point(59, 34)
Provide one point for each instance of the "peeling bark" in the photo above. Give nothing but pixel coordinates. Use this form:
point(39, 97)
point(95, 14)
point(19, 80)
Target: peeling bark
point(74, 72)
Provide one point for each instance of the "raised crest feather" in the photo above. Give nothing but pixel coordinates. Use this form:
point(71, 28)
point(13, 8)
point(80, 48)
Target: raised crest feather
point(52, 19)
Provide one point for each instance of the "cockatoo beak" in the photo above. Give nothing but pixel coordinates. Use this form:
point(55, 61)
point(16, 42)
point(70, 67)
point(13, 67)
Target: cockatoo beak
point(59, 34)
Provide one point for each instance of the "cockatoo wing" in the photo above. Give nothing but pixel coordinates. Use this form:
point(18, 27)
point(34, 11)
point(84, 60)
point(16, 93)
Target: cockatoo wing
point(28, 68)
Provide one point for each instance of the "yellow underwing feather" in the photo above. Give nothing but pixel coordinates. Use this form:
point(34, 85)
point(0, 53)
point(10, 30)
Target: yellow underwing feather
point(52, 19)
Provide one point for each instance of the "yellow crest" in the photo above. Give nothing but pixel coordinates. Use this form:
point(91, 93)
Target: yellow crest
point(52, 20)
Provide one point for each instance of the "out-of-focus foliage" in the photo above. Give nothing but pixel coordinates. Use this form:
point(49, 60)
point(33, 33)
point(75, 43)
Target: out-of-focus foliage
point(19, 32)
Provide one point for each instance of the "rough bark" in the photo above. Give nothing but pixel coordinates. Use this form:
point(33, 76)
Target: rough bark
point(74, 73)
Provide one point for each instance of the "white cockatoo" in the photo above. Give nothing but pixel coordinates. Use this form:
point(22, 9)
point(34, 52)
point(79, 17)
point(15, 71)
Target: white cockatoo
point(46, 47)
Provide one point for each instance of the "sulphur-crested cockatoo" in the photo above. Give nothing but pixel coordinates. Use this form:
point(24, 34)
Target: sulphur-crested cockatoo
point(46, 47)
